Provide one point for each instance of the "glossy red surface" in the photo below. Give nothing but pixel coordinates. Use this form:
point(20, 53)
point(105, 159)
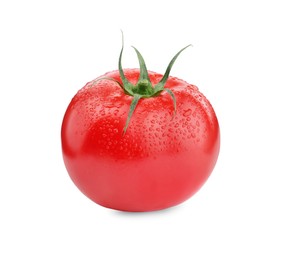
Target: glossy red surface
point(162, 159)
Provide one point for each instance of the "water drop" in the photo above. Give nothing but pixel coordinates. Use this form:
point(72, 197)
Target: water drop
point(187, 112)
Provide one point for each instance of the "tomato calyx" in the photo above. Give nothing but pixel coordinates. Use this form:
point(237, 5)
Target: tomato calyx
point(143, 88)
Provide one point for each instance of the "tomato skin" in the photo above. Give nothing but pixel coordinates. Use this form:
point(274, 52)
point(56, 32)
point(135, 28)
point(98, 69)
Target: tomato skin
point(161, 160)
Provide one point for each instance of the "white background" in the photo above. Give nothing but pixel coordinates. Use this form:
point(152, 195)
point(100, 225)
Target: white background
point(50, 49)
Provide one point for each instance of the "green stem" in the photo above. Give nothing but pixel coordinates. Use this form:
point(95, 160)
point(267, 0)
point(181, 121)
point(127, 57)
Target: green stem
point(143, 88)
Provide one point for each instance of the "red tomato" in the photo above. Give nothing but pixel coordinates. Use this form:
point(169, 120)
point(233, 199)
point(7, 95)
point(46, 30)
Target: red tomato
point(153, 157)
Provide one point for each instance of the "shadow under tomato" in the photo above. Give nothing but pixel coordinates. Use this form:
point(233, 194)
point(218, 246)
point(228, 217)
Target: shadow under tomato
point(170, 210)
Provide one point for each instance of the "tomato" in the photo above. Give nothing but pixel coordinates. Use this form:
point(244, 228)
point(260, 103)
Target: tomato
point(141, 147)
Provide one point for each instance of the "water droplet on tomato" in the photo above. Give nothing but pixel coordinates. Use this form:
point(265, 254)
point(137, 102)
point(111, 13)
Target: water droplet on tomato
point(116, 112)
point(187, 112)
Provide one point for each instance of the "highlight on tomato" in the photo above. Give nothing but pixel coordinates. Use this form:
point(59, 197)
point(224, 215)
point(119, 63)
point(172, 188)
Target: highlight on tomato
point(136, 140)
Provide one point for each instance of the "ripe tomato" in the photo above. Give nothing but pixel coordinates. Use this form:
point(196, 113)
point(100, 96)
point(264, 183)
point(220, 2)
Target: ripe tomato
point(130, 143)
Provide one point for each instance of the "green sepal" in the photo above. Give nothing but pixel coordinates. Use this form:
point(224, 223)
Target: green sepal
point(126, 84)
point(133, 105)
point(161, 83)
point(169, 91)
point(143, 70)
